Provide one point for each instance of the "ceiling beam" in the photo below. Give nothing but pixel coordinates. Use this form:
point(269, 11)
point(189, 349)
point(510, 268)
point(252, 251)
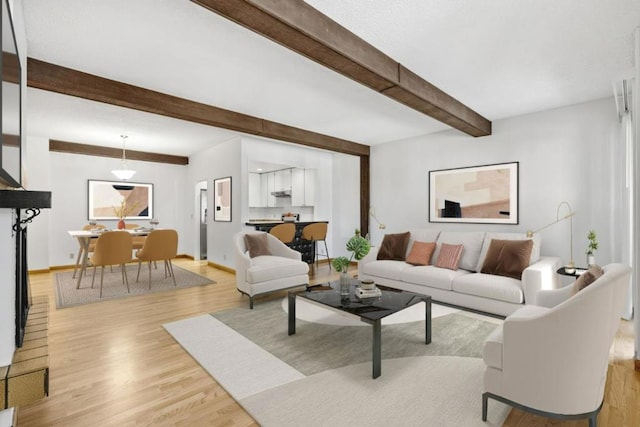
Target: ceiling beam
point(96, 150)
point(54, 78)
point(305, 30)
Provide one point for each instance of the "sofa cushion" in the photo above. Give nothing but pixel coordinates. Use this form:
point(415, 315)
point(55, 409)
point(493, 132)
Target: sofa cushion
point(385, 268)
point(449, 256)
point(422, 235)
point(429, 275)
point(489, 286)
point(472, 241)
point(507, 257)
point(257, 244)
point(587, 278)
point(421, 253)
point(394, 247)
point(268, 267)
point(535, 250)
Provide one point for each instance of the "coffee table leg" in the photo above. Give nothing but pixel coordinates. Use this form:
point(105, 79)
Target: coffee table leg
point(377, 348)
point(427, 318)
point(292, 314)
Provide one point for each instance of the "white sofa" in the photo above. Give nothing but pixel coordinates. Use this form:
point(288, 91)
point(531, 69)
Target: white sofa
point(552, 358)
point(465, 287)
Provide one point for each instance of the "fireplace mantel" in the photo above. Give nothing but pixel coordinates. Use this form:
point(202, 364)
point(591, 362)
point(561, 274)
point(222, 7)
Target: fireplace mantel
point(23, 199)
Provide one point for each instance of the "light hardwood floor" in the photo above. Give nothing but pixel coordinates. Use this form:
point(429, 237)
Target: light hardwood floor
point(112, 364)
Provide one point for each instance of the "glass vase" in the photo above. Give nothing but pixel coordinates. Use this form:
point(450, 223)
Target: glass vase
point(345, 284)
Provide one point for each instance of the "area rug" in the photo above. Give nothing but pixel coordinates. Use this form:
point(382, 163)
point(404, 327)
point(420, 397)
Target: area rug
point(67, 295)
point(322, 375)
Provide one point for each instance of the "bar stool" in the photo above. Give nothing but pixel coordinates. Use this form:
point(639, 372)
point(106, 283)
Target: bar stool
point(315, 232)
point(284, 232)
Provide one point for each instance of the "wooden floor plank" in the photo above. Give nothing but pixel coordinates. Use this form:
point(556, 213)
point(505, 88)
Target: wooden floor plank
point(112, 364)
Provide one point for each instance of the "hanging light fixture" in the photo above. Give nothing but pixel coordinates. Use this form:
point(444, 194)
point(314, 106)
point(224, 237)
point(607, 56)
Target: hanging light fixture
point(124, 172)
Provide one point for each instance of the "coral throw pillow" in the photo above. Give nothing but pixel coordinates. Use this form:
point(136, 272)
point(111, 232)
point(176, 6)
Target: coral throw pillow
point(421, 253)
point(394, 246)
point(257, 244)
point(507, 258)
point(449, 256)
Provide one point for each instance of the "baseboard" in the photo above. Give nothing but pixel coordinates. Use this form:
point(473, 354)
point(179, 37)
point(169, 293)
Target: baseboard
point(43, 270)
point(221, 267)
point(66, 267)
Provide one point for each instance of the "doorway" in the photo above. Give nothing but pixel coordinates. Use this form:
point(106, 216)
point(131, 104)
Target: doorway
point(203, 223)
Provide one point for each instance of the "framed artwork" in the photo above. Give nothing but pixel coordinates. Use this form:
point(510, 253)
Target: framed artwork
point(479, 194)
point(222, 199)
point(115, 199)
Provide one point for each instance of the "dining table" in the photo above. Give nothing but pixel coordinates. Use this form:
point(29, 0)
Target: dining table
point(84, 240)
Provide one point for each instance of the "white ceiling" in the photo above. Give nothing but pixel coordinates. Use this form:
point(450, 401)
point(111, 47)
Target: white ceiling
point(502, 58)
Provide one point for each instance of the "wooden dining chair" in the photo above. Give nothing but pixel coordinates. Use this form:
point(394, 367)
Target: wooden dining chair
point(112, 248)
point(160, 245)
point(92, 244)
point(316, 232)
point(284, 232)
point(137, 242)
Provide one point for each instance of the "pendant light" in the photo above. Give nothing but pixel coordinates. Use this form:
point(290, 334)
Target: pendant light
point(124, 172)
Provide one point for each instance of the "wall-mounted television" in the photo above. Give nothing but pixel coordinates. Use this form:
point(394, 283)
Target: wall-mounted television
point(11, 142)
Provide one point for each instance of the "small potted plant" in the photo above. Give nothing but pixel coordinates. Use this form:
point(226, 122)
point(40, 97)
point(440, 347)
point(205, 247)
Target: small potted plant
point(591, 248)
point(359, 248)
point(123, 211)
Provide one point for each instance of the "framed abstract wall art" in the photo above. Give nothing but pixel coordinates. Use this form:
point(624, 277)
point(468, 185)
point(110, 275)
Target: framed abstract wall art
point(222, 199)
point(478, 194)
point(119, 199)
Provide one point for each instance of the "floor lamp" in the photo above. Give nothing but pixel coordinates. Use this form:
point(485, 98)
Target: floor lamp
point(570, 267)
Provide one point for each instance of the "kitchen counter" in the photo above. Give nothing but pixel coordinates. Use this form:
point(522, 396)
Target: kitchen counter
point(305, 247)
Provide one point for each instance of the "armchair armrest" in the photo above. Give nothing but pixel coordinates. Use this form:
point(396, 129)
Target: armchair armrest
point(538, 276)
point(278, 248)
point(551, 297)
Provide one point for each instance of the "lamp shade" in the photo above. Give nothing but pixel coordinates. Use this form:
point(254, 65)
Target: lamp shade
point(123, 174)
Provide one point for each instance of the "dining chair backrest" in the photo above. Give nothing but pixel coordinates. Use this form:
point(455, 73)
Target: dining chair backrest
point(159, 245)
point(315, 231)
point(284, 232)
point(112, 247)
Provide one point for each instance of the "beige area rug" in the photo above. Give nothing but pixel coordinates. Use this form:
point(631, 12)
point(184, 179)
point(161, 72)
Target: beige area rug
point(67, 295)
point(439, 389)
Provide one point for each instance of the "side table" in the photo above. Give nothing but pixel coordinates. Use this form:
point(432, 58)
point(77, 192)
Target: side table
point(578, 271)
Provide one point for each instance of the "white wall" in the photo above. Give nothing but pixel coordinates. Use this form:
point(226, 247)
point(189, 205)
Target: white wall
point(68, 180)
point(346, 202)
point(219, 161)
point(7, 288)
point(565, 155)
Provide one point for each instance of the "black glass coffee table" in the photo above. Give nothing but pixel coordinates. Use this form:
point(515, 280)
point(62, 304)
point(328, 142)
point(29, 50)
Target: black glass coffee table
point(370, 310)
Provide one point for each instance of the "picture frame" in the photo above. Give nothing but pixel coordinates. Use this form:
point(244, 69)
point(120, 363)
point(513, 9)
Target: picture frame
point(485, 194)
point(105, 198)
point(222, 201)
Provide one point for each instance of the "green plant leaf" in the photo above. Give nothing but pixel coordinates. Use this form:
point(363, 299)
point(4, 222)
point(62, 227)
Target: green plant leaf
point(359, 246)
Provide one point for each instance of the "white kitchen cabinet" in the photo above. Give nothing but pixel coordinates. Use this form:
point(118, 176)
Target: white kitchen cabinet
point(282, 180)
point(297, 187)
point(309, 187)
point(270, 179)
point(256, 198)
point(303, 182)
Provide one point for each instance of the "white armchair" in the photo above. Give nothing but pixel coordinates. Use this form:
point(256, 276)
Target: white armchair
point(553, 361)
point(267, 273)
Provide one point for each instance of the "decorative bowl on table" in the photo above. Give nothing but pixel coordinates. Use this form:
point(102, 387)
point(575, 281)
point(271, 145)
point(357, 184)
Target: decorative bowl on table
point(367, 284)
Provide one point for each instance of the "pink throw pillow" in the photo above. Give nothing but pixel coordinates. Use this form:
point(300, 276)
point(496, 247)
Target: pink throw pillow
point(449, 256)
